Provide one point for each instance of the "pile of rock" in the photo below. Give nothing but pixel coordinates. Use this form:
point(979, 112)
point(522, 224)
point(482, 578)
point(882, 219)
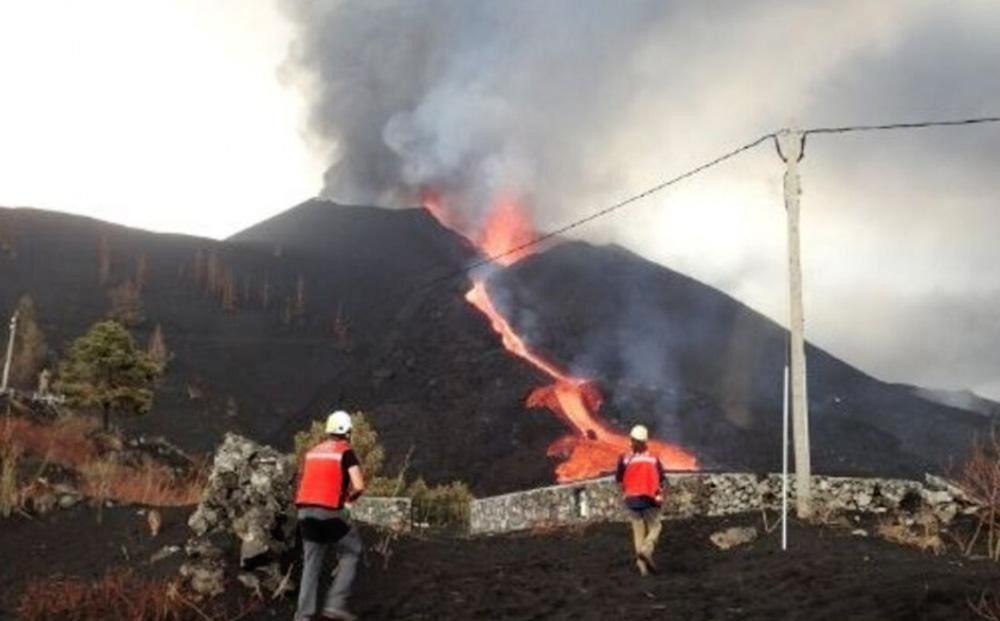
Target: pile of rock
point(249, 500)
point(249, 495)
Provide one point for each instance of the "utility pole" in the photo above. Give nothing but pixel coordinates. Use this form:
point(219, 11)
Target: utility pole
point(10, 353)
point(791, 149)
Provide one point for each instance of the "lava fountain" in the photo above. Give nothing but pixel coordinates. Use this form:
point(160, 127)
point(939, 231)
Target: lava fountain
point(594, 447)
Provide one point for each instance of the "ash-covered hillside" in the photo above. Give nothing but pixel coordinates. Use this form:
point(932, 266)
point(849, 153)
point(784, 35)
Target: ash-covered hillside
point(319, 307)
point(327, 305)
point(706, 370)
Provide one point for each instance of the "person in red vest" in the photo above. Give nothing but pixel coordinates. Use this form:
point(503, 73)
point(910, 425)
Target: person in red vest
point(641, 476)
point(330, 480)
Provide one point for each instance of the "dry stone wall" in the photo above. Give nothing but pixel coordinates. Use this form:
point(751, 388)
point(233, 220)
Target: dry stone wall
point(712, 494)
point(391, 513)
point(248, 511)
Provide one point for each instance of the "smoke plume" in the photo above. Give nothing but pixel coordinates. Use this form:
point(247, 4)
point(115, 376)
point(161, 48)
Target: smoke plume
point(471, 99)
point(566, 105)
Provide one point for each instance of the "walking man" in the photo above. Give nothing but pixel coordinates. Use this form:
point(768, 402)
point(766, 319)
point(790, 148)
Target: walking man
point(330, 480)
point(641, 476)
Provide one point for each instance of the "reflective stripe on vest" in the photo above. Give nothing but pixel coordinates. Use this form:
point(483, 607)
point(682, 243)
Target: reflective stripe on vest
point(642, 475)
point(322, 479)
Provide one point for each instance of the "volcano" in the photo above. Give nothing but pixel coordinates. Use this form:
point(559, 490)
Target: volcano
point(327, 305)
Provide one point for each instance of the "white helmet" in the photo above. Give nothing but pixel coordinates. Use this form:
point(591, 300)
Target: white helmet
point(339, 423)
point(639, 433)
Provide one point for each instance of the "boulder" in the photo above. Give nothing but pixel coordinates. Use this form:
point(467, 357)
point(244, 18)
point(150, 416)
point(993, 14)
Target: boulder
point(67, 501)
point(732, 537)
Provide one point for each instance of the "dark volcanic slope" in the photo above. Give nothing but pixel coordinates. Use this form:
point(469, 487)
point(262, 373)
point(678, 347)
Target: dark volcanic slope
point(323, 306)
point(706, 370)
point(292, 317)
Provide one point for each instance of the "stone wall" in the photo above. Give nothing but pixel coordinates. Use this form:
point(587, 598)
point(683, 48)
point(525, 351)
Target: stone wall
point(599, 500)
point(391, 513)
point(248, 505)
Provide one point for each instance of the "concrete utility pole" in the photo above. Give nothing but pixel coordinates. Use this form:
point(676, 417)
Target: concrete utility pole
point(790, 148)
point(10, 353)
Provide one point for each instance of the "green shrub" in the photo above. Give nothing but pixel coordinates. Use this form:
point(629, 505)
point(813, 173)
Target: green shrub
point(440, 505)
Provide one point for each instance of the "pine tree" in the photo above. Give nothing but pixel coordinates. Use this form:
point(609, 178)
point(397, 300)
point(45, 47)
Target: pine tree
point(105, 372)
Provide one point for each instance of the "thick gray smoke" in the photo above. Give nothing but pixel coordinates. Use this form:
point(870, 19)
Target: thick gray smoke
point(570, 104)
point(476, 100)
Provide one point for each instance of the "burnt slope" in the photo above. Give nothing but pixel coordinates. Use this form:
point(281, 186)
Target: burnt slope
point(706, 370)
point(271, 329)
point(326, 305)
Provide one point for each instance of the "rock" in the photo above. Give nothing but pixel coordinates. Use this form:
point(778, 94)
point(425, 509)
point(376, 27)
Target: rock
point(203, 519)
point(933, 498)
point(863, 500)
point(62, 489)
point(154, 520)
point(249, 580)
point(164, 552)
point(859, 532)
point(204, 578)
point(68, 500)
point(945, 513)
point(731, 537)
point(202, 549)
point(251, 550)
point(940, 483)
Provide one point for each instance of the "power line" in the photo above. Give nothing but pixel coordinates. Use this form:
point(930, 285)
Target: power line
point(491, 259)
point(918, 125)
point(488, 260)
point(624, 203)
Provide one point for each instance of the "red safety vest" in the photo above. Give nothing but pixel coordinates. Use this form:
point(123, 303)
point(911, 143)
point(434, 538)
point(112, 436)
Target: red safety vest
point(642, 475)
point(322, 480)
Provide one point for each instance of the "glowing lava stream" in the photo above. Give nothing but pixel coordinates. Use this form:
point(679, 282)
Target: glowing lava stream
point(595, 448)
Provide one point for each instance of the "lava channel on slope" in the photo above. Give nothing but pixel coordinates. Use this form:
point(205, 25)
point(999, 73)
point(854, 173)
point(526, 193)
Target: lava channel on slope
point(594, 447)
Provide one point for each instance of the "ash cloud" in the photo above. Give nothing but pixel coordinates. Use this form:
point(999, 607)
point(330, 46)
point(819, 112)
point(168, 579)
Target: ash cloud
point(569, 105)
point(474, 99)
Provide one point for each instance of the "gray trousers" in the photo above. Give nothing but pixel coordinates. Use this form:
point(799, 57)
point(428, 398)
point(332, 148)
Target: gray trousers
point(348, 549)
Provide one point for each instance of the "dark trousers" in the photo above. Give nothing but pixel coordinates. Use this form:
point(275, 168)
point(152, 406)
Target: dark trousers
point(318, 536)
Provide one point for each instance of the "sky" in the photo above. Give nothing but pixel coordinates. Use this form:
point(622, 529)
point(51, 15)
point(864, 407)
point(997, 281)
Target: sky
point(205, 117)
point(168, 115)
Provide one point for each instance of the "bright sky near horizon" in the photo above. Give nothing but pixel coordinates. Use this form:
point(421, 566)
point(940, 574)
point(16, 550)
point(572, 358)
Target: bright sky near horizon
point(167, 115)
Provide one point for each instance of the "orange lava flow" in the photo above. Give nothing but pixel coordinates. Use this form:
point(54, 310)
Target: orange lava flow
point(594, 448)
point(504, 233)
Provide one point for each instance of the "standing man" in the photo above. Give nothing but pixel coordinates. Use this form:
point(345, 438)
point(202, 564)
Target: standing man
point(330, 480)
point(641, 476)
